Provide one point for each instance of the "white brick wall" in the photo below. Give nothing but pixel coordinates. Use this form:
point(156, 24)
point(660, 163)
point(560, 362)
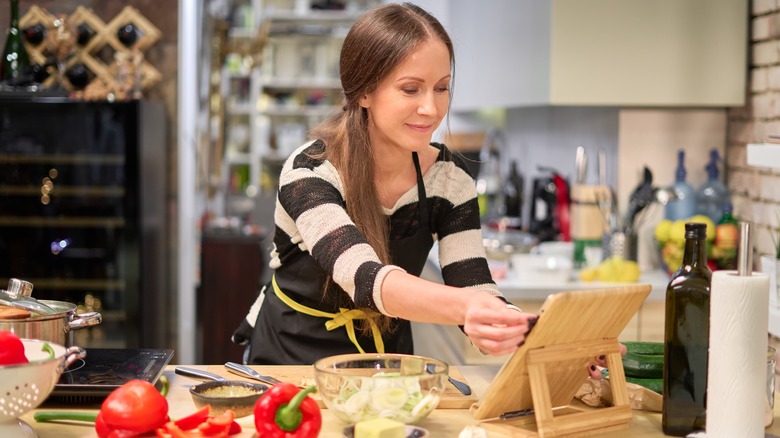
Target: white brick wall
point(759, 80)
point(765, 53)
point(756, 193)
point(761, 7)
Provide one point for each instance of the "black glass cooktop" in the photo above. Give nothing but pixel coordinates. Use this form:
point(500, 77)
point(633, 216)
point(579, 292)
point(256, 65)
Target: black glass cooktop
point(105, 369)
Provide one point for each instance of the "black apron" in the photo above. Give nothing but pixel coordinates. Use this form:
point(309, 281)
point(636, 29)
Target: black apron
point(285, 336)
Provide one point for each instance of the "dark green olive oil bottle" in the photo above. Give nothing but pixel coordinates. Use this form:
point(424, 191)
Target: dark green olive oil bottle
point(686, 338)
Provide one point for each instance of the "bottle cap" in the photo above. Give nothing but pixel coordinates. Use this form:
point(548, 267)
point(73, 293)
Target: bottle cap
point(695, 230)
point(680, 173)
point(712, 166)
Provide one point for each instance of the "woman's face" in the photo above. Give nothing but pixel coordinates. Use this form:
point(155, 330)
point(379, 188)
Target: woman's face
point(411, 101)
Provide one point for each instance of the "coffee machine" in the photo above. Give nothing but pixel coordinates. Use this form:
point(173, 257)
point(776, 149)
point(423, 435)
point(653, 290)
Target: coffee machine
point(550, 206)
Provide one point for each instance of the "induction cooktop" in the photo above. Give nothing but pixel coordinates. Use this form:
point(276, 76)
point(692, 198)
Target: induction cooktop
point(105, 369)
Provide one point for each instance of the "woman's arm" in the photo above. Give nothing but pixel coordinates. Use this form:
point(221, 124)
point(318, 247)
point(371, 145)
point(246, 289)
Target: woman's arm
point(491, 326)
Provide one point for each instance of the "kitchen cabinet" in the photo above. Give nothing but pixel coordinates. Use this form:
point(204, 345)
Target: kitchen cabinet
point(232, 266)
point(513, 53)
point(448, 343)
point(82, 212)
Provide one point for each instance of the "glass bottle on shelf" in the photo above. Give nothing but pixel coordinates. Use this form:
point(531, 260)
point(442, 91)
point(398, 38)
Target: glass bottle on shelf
point(513, 197)
point(682, 205)
point(686, 338)
point(726, 239)
point(489, 188)
point(15, 69)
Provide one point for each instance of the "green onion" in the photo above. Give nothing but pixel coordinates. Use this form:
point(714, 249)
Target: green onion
point(44, 416)
point(165, 384)
point(47, 348)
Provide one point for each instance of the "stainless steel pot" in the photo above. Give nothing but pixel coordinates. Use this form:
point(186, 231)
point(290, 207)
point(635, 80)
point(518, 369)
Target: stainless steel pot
point(501, 245)
point(54, 327)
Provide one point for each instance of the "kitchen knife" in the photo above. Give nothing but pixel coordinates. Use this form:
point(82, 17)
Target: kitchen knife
point(602, 167)
point(243, 370)
point(581, 164)
point(463, 387)
point(195, 373)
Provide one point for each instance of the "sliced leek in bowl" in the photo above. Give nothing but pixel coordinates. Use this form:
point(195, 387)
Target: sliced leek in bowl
point(359, 387)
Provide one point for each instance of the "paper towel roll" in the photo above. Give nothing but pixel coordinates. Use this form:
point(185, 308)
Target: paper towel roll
point(736, 375)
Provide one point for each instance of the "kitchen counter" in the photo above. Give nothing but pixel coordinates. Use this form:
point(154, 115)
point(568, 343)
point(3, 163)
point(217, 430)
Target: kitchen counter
point(512, 286)
point(441, 423)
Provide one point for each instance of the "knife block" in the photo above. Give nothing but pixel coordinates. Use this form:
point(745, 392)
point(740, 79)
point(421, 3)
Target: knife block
point(542, 376)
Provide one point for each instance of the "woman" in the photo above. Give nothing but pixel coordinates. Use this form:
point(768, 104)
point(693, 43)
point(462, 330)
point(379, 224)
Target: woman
point(359, 208)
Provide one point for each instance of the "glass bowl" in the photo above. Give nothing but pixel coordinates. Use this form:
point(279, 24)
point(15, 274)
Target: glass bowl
point(359, 387)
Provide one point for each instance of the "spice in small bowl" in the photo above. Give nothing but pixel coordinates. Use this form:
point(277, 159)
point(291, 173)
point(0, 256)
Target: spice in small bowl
point(222, 395)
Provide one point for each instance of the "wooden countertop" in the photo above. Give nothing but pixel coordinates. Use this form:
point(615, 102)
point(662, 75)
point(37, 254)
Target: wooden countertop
point(441, 422)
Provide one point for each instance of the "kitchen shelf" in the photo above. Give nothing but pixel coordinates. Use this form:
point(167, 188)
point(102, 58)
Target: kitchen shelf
point(765, 155)
point(305, 111)
point(313, 16)
point(514, 287)
point(303, 83)
point(241, 109)
point(270, 96)
point(71, 221)
point(108, 159)
point(63, 191)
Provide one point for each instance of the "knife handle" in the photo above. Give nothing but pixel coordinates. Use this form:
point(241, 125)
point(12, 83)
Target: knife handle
point(246, 371)
point(197, 374)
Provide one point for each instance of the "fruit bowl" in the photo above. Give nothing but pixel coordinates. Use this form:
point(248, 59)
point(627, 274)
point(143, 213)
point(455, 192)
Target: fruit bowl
point(721, 243)
point(359, 387)
point(25, 386)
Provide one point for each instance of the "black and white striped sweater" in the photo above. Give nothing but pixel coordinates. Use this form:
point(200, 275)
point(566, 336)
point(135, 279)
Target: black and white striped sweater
point(311, 220)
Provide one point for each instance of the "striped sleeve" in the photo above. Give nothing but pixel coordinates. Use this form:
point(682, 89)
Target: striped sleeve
point(310, 210)
point(461, 252)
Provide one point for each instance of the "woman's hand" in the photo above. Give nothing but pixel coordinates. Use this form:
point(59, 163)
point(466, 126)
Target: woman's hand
point(493, 327)
point(601, 361)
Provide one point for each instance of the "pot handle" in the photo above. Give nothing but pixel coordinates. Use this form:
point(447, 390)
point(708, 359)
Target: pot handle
point(72, 354)
point(85, 320)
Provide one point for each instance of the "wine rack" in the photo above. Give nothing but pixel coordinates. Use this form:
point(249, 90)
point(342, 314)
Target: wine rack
point(101, 40)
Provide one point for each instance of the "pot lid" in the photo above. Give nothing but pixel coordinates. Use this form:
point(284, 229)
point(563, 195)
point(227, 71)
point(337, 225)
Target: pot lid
point(24, 302)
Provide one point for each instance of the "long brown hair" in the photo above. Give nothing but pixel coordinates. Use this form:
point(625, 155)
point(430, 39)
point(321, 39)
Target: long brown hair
point(378, 41)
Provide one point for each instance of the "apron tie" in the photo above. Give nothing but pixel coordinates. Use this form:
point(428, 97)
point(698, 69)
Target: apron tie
point(345, 318)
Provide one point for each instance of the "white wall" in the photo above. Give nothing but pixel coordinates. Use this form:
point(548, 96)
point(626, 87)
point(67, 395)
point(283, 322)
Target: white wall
point(549, 136)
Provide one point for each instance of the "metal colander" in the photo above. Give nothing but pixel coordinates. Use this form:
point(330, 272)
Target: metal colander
point(25, 386)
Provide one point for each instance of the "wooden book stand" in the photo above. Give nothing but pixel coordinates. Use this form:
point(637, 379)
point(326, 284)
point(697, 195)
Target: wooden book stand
point(531, 393)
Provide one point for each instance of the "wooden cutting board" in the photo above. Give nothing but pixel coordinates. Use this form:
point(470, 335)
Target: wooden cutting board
point(303, 375)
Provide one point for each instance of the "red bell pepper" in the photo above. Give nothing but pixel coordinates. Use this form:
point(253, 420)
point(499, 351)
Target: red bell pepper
point(193, 420)
point(135, 407)
point(220, 425)
point(11, 349)
point(286, 411)
point(199, 426)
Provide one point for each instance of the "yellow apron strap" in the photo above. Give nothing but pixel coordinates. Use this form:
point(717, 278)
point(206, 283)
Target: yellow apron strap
point(344, 318)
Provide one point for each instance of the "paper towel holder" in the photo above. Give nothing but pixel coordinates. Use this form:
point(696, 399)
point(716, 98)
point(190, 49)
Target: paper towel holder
point(744, 251)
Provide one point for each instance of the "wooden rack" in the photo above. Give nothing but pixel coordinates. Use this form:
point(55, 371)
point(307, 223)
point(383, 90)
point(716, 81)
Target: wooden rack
point(93, 53)
point(543, 376)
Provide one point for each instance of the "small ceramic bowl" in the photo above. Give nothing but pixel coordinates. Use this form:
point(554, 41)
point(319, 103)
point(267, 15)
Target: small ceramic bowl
point(227, 394)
